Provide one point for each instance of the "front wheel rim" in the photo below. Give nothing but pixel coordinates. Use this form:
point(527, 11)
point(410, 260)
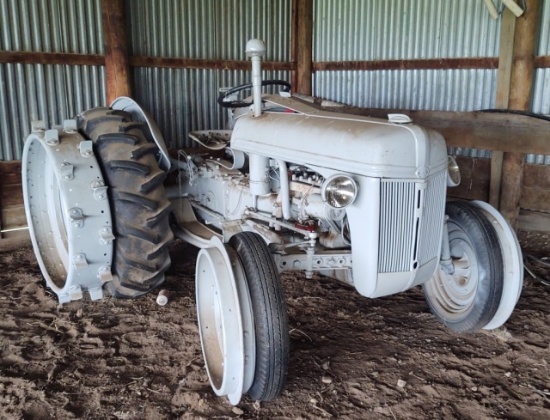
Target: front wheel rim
point(456, 292)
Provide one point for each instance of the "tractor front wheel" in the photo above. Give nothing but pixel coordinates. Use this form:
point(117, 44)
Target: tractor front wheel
point(467, 299)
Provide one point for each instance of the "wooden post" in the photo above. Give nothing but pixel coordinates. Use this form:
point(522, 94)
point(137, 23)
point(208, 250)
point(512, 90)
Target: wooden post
point(117, 70)
point(504, 74)
point(521, 87)
point(304, 46)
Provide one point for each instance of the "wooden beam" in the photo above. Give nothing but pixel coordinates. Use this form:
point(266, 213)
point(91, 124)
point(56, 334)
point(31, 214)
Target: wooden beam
point(25, 57)
point(293, 43)
point(416, 64)
point(480, 130)
point(117, 69)
point(506, 50)
point(535, 191)
point(542, 61)
point(475, 176)
point(12, 211)
point(304, 47)
point(193, 63)
point(521, 87)
point(29, 57)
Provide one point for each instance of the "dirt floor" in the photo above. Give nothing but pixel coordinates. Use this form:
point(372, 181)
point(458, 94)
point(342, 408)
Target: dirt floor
point(351, 357)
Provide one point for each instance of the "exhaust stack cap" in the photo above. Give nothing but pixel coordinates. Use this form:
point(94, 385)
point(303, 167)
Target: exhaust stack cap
point(255, 48)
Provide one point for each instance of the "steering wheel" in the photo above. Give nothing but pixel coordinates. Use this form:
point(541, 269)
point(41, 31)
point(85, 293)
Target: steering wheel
point(242, 103)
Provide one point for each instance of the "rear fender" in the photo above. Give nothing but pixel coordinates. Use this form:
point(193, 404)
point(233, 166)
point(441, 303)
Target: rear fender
point(123, 103)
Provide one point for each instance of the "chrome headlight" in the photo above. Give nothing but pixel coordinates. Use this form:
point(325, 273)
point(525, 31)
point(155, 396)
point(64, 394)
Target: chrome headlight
point(339, 191)
point(453, 172)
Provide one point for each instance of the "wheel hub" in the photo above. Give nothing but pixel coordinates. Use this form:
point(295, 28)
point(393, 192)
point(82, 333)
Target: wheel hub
point(457, 291)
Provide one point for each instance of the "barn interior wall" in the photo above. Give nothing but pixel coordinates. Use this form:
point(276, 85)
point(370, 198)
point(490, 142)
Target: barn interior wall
point(47, 92)
point(183, 99)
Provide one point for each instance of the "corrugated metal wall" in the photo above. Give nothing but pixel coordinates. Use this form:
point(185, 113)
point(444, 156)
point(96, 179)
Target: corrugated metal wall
point(541, 99)
point(46, 92)
point(405, 29)
point(541, 88)
point(182, 100)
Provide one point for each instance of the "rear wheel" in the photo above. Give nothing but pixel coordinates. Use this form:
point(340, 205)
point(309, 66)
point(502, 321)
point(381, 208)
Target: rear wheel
point(269, 315)
point(467, 299)
point(137, 198)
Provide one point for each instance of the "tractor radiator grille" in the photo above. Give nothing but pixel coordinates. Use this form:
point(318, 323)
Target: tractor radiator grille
point(404, 237)
point(397, 226)
point(429, 243)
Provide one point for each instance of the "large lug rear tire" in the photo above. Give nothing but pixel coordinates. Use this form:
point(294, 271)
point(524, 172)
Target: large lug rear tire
point(137, 198)
point(269, 315)
point(468, 299)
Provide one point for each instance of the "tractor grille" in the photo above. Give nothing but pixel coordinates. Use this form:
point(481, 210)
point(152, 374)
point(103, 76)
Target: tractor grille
point(429, 243)
point(404, 237)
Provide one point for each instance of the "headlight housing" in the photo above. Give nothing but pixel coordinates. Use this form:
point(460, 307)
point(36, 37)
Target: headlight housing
point(339, 191)
point(453, 172)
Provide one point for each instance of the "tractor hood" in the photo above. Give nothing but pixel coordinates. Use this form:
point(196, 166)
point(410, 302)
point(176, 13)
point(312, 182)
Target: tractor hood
point(299, 133)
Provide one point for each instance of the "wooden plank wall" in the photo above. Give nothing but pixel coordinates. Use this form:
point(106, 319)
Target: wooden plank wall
point(12, 212)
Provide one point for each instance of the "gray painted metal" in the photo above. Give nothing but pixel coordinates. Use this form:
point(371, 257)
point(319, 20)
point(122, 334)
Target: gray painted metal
point(66, 201)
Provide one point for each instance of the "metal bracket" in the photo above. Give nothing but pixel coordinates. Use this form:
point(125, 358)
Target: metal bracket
point(313, 261)
point(86, 148)
point(51, 137)
point(76, 216)
point(106, 235)
point(79, 261)
point(74, 293)
point(66, 171)
point(70, 126)
point(100, 193)
point(96, 293)
point(104, 274)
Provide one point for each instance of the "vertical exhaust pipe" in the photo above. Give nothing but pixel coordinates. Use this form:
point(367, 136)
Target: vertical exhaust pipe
point(255, 50)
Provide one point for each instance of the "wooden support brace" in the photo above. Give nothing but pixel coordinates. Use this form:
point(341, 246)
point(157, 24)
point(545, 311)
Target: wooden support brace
point(304, 46)
point(521, 87)
point(117, 71)
point(506, 50)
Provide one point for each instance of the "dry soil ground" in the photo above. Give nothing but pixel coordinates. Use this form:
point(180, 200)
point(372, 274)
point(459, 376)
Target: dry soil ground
point(351, 357)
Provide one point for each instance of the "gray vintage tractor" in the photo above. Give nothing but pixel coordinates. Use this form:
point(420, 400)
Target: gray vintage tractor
point(289, 186)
